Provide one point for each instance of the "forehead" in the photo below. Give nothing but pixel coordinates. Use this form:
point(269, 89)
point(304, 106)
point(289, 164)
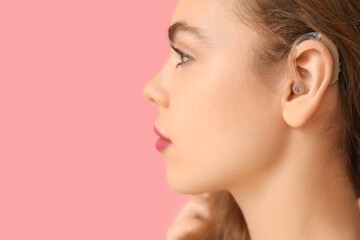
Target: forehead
point(215, 19)
point(201, 11)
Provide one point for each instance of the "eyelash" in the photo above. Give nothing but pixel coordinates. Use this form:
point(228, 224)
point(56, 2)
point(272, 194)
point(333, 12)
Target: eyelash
point(182, 55)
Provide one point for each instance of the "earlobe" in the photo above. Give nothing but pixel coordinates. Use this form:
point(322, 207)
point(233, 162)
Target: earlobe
point(313, 67)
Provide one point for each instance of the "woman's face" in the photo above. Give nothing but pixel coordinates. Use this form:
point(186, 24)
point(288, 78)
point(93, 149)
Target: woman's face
point(224, 128)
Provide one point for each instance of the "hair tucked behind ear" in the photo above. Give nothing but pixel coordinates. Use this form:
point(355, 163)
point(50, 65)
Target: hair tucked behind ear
point(281, 22)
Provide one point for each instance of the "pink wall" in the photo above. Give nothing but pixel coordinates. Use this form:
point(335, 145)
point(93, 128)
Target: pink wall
point(77, 155)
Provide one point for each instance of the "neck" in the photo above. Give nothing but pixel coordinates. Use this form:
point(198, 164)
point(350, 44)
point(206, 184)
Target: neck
point(306, 196)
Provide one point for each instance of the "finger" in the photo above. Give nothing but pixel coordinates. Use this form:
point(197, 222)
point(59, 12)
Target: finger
point(177, 231)
point(189, 210)
point(201, 198)
point(206, 195)
point(203, 210)
point(193, 209)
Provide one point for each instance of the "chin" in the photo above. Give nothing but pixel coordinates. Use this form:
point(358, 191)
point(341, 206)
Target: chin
point(186, 185)
point(179, 185)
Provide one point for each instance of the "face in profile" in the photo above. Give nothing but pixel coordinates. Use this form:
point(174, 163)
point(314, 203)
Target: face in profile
point(225, 128)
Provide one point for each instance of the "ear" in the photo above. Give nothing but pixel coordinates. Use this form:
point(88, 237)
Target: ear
point(314, 67)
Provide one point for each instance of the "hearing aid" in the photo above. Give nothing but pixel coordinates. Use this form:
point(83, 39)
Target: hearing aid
point(297, 87)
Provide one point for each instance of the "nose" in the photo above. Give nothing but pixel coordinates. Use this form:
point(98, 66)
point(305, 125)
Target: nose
point(155, 92)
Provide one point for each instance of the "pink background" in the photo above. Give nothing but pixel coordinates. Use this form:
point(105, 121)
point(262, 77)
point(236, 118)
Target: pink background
point(77, 146)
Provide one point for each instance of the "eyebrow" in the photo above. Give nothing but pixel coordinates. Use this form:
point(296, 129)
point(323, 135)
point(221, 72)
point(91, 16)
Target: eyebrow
point(183, 26)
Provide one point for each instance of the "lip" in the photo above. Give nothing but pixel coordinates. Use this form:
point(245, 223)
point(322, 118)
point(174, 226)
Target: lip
point(160, 135)
point(162, 142)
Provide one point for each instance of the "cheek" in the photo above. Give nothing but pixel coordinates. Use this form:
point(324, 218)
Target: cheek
point(220, 131)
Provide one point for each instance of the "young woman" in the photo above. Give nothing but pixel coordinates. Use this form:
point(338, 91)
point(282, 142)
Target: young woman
point(259, 106)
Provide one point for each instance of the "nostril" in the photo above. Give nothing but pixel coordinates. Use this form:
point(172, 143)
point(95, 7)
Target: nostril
point(149, 91)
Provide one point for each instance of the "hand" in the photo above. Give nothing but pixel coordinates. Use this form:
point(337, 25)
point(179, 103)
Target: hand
point(190, 217)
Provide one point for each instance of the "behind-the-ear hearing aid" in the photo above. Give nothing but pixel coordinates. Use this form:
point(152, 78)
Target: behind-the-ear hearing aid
point(297, 87)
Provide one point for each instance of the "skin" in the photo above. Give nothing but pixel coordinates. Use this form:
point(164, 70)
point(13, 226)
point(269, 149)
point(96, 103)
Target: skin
point(267, 148)
point(190, 217)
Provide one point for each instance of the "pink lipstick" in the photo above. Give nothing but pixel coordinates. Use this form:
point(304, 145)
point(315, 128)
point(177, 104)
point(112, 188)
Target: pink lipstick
point(162, 142)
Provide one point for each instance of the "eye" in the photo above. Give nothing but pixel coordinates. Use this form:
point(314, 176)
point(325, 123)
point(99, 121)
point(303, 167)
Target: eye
point(182, 56)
